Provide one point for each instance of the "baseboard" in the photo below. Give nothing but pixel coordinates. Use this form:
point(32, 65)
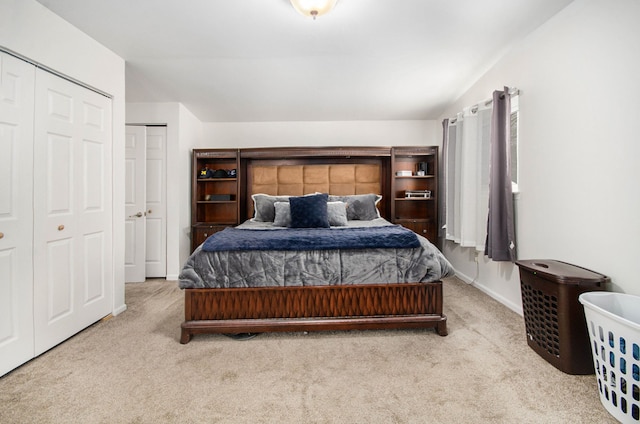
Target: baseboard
point(172, 277)
point(515, 308)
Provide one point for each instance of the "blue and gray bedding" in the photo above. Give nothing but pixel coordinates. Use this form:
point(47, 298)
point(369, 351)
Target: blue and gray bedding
point(318, 264)
point(383, 237)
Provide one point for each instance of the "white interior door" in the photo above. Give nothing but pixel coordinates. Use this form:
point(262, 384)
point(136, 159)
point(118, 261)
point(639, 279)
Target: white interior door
point(156, 227)
point(135, 203)
point(16, 212)
point(72, 209)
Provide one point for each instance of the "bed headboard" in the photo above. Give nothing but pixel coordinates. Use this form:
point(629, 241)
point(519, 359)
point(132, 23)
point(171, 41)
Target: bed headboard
point(303, 179)
point(339, 175)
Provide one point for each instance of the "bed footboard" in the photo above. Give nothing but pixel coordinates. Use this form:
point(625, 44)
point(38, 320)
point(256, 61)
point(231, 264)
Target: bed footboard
point(269, 309)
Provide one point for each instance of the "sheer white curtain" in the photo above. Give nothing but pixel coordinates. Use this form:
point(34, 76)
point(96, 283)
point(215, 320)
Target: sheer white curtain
point(466, 147)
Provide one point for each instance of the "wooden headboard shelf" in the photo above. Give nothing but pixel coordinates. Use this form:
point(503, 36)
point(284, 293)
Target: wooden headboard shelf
point(221, 202)
point(315, 152)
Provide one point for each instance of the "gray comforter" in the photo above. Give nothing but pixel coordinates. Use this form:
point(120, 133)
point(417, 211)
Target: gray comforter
point(260, 268)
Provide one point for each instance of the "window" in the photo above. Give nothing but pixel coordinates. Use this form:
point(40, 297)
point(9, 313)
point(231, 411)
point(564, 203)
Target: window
point(467, 157)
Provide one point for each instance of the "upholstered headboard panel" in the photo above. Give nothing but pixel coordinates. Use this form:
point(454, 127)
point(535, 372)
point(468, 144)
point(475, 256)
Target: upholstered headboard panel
point(296, 180)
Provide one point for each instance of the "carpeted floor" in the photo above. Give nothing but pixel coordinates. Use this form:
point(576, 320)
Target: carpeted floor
point(132, 369)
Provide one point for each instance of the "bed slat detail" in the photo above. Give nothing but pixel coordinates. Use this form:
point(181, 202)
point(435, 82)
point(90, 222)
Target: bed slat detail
point(314, 308)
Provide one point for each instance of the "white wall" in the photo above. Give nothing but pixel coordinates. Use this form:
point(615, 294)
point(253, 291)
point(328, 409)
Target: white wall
point(31, 30)
point(579, 76)
point(335, 133)
point(184, 131)
point(190, 136)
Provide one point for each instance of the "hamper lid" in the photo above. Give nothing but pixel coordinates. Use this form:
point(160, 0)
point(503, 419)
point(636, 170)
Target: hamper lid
point(562, 272)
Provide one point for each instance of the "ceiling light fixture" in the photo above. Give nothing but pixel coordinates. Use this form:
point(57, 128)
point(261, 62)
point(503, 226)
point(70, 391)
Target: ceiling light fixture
point(313, 8)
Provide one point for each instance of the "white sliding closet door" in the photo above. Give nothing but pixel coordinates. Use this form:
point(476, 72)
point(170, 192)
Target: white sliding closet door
point(16, 212)
point(145, 203)
point(156, 237)
point(135, 203)
point(72, 203)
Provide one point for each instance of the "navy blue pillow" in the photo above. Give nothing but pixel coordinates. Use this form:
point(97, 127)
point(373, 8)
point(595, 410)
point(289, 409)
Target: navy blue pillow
point(309, 211)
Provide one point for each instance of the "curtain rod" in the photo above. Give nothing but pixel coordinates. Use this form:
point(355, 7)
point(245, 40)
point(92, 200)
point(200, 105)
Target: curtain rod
point(513, 91)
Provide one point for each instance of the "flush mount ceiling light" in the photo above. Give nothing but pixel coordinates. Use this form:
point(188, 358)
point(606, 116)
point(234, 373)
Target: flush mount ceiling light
point(313, 8)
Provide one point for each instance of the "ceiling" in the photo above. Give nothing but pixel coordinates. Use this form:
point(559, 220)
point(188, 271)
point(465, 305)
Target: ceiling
point(259, 60)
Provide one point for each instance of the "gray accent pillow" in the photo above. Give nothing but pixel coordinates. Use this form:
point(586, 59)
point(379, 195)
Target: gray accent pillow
point(283, 214)
point(361, 207)
point(337, 214)
point(263, 206)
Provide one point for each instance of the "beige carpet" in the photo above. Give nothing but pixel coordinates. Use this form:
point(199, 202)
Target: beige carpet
point(132, 369)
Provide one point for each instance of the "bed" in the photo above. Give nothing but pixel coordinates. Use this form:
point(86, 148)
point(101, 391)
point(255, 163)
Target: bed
point(286, 268)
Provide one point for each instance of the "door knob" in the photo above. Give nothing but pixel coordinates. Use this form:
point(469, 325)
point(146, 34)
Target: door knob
point(138, 215)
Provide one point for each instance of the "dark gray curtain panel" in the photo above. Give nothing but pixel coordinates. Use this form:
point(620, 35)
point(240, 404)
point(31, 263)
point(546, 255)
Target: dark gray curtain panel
point(501, 242)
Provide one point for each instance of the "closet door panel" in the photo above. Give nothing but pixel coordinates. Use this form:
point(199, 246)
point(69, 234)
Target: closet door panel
point(57, 180)
point(95, 208)
point(93, 173)
point(94, 276)
point(72, 222)
point(156, 231)
point(59, 279)
point(135, 203)
point(56, 218)
point(16, 212)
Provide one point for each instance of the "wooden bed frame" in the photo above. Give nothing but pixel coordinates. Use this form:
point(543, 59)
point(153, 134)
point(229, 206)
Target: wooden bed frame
point(349, 307)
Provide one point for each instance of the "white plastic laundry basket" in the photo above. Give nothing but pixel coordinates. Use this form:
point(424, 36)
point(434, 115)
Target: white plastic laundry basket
point(613, 321)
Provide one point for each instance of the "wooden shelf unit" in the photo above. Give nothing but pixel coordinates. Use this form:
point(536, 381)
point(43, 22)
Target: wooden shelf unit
point(419, 214)
point(209, 216)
